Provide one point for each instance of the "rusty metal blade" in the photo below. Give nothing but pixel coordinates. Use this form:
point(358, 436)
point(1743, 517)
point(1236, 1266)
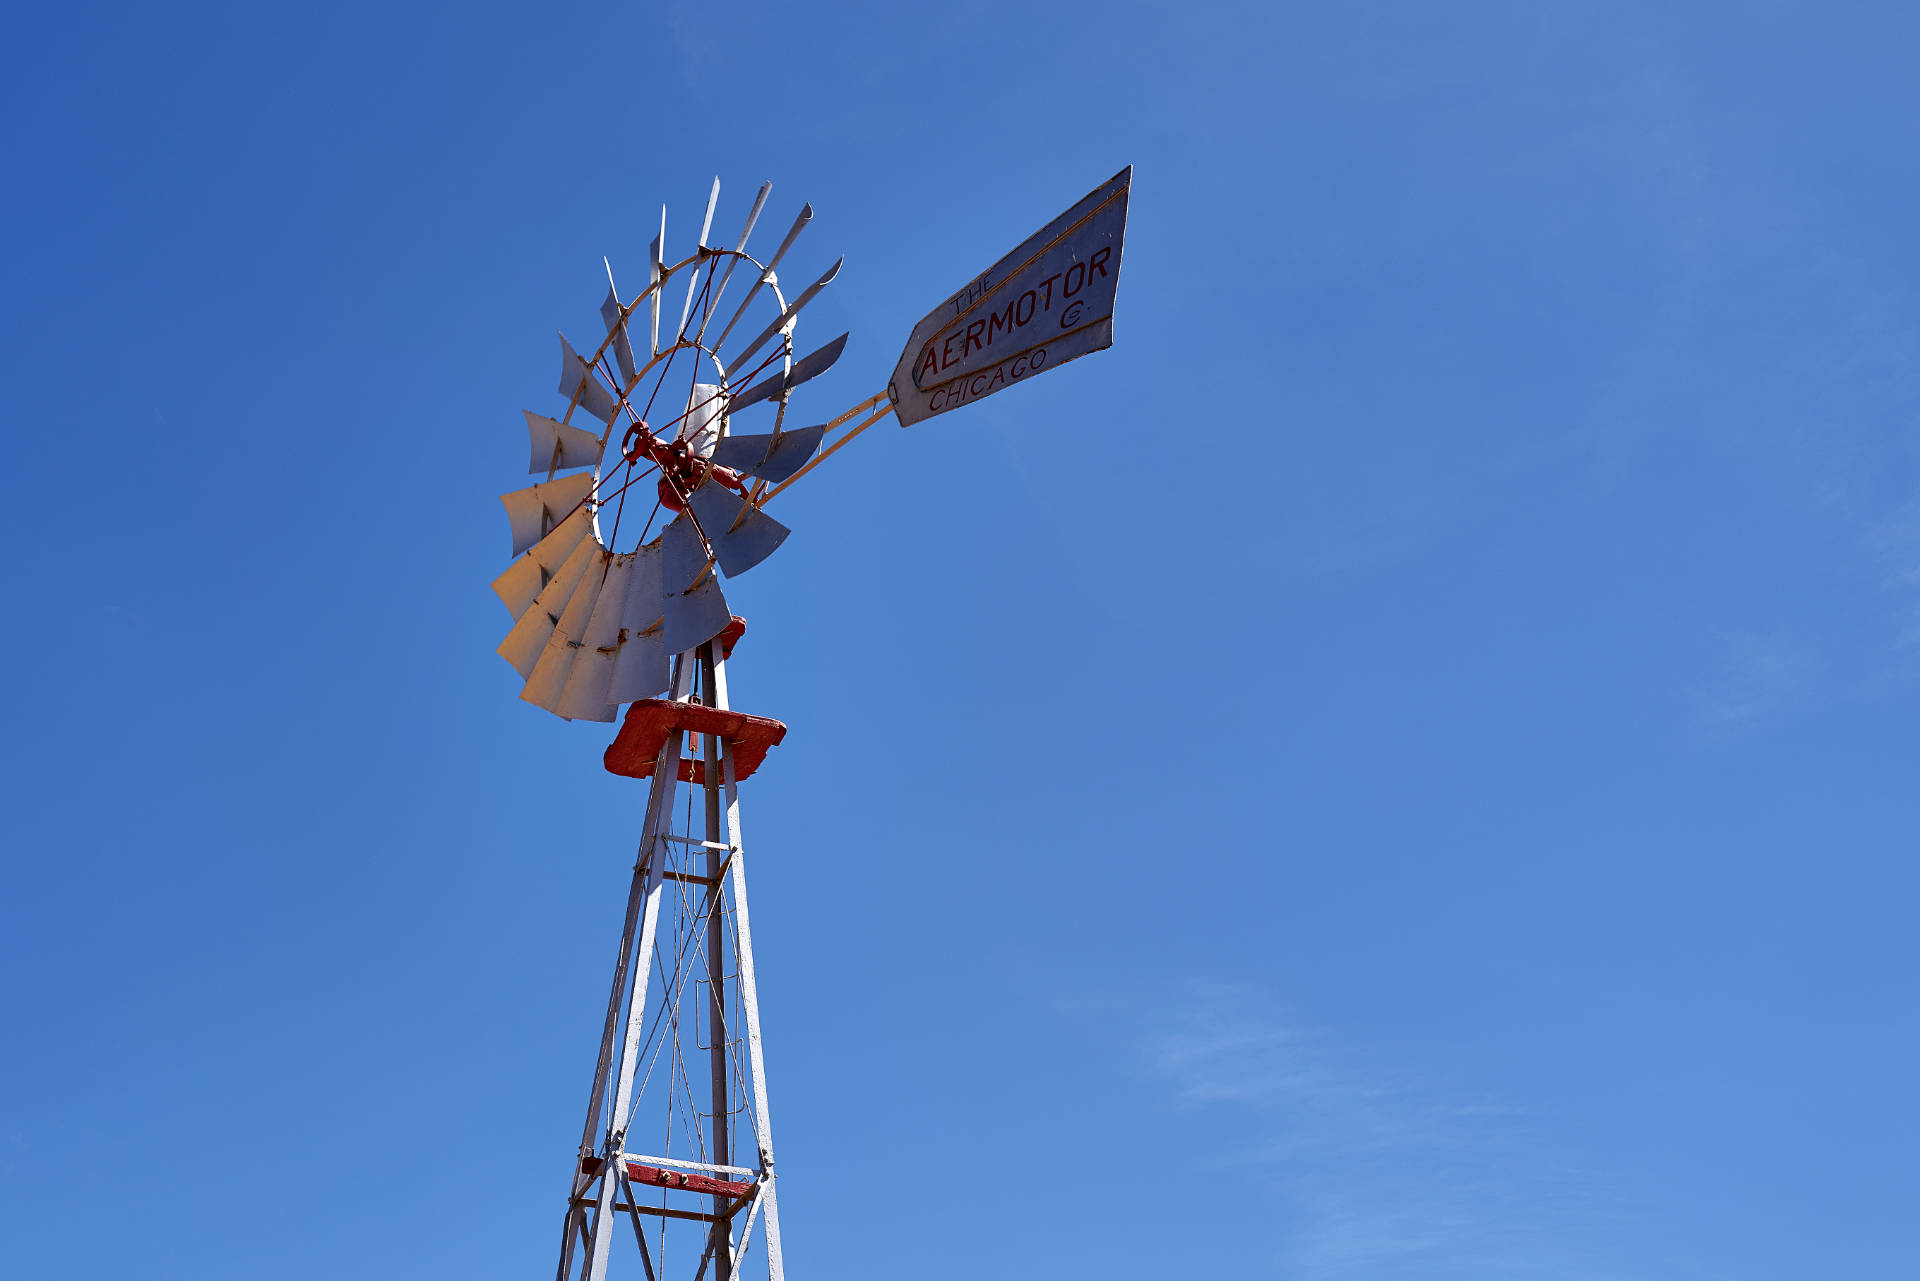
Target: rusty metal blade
point(682, 556)
point(555, 664)
point(527, 640)
point(527, 577)
point(537, 509)
point(584, 696)
point(640, 671)
point(695, 616)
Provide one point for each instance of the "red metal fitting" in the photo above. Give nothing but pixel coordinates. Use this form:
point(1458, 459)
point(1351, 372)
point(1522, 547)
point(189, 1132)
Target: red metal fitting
point(648, 724)
point(638, 441)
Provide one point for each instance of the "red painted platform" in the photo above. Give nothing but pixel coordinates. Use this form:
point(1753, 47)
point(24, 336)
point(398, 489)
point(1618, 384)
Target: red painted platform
point(687, 1179)
point(636, 748)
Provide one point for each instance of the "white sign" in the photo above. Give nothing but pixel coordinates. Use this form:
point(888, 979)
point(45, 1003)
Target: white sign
point(1045, 303)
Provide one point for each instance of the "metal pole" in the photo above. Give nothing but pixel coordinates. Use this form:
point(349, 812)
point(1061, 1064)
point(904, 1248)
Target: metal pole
point(749, 996)
point(722, 1232)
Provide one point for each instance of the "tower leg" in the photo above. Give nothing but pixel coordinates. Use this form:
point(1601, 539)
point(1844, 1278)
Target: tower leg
point(720, 1238)
point(750, 997)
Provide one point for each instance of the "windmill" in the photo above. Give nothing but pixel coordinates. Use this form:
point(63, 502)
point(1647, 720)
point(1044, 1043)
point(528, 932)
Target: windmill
point(673, 440)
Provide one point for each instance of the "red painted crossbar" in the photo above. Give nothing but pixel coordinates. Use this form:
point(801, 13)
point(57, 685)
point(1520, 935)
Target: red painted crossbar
point(686, 1179)
point(644, 732)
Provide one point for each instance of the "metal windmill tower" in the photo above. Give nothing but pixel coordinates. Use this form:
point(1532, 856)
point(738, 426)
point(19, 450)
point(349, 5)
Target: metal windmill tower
point(676, 1162)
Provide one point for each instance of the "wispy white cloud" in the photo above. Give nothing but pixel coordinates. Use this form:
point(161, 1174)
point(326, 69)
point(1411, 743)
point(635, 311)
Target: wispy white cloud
point(1376, 1175)
point(1753, 677)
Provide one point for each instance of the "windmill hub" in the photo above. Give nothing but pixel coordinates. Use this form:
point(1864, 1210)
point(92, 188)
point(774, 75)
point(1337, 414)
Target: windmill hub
point(682, 467)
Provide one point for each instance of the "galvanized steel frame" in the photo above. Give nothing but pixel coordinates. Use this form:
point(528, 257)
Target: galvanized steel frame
point(599, 1192)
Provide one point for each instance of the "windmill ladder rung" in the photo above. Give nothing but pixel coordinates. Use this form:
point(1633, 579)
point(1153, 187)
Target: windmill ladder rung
point(705, 845)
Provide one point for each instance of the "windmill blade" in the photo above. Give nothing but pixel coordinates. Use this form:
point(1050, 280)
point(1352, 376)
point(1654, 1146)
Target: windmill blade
point(793, 234)
point(556, 445)
point(615, 317)
point(640, 670)
point(550, 671)
point(693, 277)
point(705, 417)
point(534, 511)
point(742, 536)
point(527, 577)
point(643, 668)
point(682, 556)
point(768, 457)
point(706, 223)
point(692, 614)
point(584, 697)
point(696, 616)
point(528, 638)
point(656, 272)
point(753, 216)
point(577, 376)
point(785, 318)
point(812, 367)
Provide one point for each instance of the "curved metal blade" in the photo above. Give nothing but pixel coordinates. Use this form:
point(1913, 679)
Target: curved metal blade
point(793, 234)
point(768, 457)
point(682, 556)
point(640, 670)
point(706, 223)
point(616, 325)
point(575, 374)
point(527, 577)
point(557, 445)
point(693, 277)
point(785, 318)
point(703, 422)
point(536, 510)
point(696, 616)
point(742, 536)
point(584, 697)
point(528, 638)
point(656, 270)
point(753, 216)
point(812, 367)
point(563, 648)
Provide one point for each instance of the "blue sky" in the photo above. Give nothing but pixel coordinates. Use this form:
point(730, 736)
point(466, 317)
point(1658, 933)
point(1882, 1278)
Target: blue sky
point(1401, 768)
